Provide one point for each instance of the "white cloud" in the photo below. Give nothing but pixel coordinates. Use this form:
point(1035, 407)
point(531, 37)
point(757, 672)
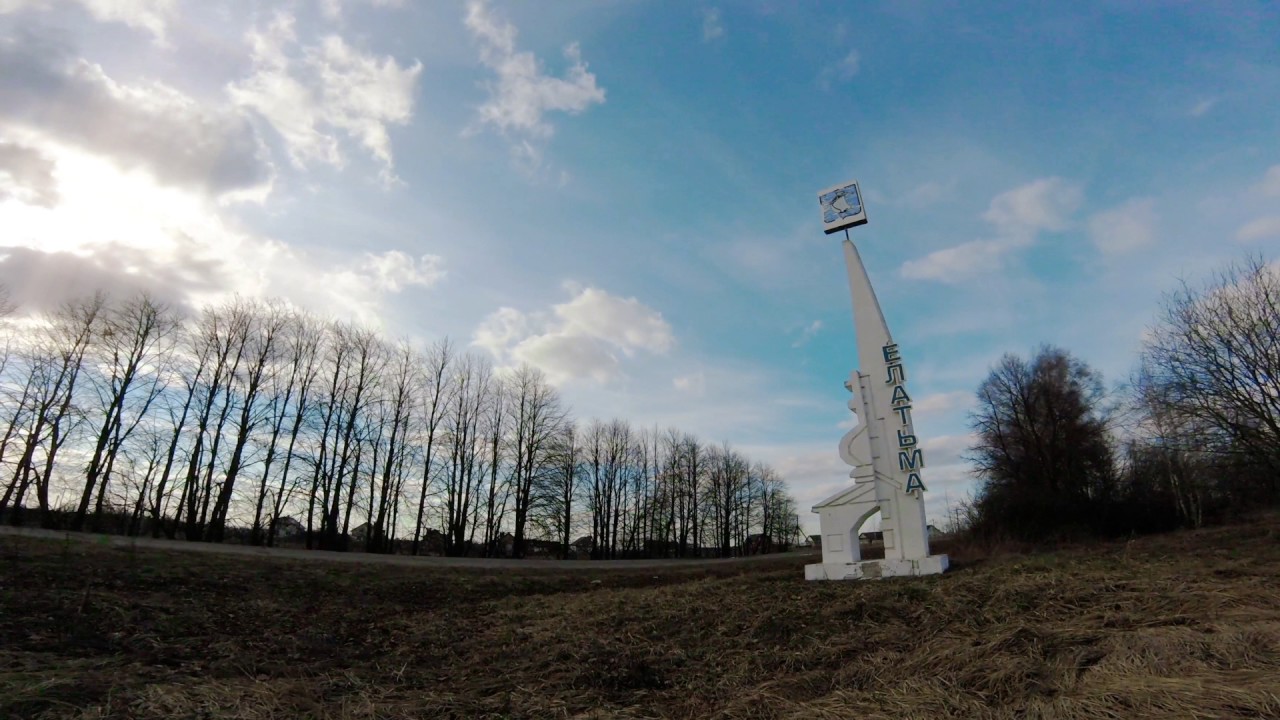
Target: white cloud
point(1260, 229)
point(40, 281)
point(623, 322)
point(126, 186)
point(1044, 204)
point(712, 27)
point(849, 64)
point(46, 93)
point(1125, 228)
point(945, 449)
point(122, 230)
point(150, 15)
point(26, 175)
point(1018, 216)
point(693, 385)
point(332, 9)
point(393, 270)
point(808, 333)
point(309, 93)
point(1270, 185)
point(1203, 107)
point(943, 403)
point(928, 193)
point(502, 330)
point(585, 337)
point(356, 290)
point(841, 71)
point(523, 94)
point(959, 262)
point(565, 358)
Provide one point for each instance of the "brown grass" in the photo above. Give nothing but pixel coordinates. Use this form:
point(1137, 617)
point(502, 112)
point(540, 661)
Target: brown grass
point(1184, 625)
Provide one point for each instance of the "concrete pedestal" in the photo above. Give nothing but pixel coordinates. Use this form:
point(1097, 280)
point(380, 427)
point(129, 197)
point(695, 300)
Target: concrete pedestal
point(875, 569)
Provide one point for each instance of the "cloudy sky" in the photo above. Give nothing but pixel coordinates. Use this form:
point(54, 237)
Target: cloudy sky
point(624, 193)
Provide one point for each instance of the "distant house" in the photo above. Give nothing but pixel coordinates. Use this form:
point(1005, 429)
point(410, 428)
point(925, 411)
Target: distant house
point(360, 533)
point(432, 542)
point(582, 547)
point(541, 548)
point(288, 528)
point(816, 541)
point(877, 536)
point(506, 544)
point(758, 544)
point(661, 548)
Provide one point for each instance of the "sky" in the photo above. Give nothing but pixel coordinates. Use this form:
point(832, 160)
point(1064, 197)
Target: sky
point(624, 193)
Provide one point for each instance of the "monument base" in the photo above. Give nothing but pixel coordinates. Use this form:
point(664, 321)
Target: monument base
point(876, 569)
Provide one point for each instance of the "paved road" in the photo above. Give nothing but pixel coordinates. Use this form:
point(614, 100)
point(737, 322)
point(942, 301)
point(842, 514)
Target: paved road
point(358, 557)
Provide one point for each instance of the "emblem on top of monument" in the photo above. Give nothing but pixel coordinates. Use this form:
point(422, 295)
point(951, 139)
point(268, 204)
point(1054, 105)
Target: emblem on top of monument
point(882, 449)
point(842, 207)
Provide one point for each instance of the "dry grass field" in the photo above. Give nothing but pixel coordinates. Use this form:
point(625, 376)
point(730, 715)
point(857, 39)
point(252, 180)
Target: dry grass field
point(1177, 626)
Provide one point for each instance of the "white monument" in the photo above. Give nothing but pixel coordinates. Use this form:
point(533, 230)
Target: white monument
point(882, 448)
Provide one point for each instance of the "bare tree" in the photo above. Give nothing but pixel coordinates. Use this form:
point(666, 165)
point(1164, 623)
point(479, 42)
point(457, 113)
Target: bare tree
point(727, 477)
point(606, 447)
point(54, 367)
point(400, 402)
point(670, 489)
point(335, 362)
point(306, 349)
point(13, 401)
point(638, 537)
point(150, 455)
point(1042, 446)
point(21, 406)
point(366, 359)
point(133, 343)
point(436, 380)
point(285, 383)
point(537, 416)
point(558, 489)
point(691, 467)
point(1213, 362)
point(472, 377)
point(265, 326)
point(219, 344)
point(499, 482)
point(187, 370)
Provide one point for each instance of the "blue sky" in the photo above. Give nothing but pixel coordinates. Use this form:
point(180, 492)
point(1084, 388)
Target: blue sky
point(624, 193)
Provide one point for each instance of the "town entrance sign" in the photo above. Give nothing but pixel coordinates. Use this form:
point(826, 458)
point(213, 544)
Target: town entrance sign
point(882, 448)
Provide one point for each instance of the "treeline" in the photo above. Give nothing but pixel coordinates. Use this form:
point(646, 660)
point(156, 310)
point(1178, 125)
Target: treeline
point(1194, 438)
point(258, 421)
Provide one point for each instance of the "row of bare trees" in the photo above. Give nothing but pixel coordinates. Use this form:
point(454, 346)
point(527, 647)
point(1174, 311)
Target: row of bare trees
point(1194, 438)
point(257, 420)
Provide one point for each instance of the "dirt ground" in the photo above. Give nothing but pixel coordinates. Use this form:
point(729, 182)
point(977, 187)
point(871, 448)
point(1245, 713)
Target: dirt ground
point(1183, 625)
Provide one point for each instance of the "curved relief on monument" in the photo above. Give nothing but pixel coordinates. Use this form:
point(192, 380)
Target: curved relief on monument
point(855, 446)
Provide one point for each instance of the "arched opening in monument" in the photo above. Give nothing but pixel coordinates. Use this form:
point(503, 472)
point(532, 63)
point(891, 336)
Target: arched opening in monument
point(865, 539)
